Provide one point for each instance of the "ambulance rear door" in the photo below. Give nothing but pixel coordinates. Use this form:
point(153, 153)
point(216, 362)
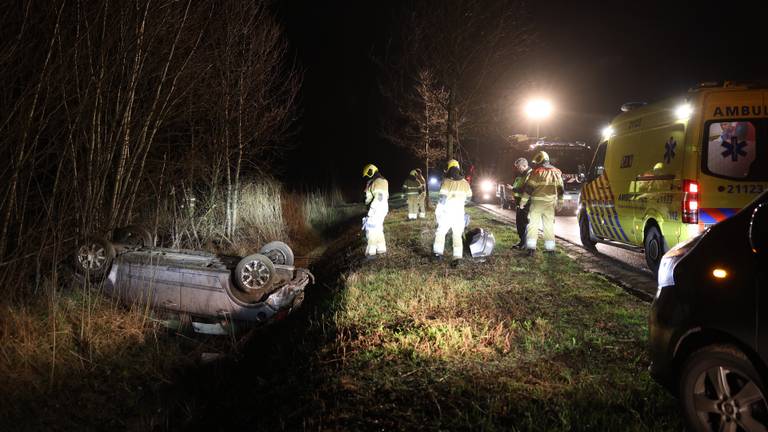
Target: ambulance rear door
point(734, 152)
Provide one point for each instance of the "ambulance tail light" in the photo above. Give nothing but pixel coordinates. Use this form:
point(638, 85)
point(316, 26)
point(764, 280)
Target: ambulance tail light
point(691, 199)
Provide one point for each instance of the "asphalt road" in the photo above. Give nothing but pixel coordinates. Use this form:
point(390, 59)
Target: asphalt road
point(567, 227)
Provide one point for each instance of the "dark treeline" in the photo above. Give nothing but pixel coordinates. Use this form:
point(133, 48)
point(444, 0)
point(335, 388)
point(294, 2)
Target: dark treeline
point(108, 107)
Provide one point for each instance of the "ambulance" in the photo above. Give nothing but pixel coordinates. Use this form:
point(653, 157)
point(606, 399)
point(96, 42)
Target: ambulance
point(666, 171)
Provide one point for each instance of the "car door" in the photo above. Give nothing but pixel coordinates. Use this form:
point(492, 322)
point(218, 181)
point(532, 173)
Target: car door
point(147, 280)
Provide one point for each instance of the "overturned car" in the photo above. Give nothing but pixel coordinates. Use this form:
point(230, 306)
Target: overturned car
point(214, 292)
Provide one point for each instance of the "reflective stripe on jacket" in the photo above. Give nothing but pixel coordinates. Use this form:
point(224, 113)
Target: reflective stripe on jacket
point(377, 188)
point(520, 180)
point(453, 194)
point(412, 186)
point(545, 183)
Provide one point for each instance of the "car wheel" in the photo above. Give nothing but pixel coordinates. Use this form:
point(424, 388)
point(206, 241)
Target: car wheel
point(278, 252)
point(133, 235)
point(255, 274)
point(94, 257)
point(585, 232)
point(721, 391)
point(654, 248)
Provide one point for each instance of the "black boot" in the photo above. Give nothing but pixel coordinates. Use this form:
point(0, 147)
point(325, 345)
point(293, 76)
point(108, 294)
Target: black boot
point(530, 252)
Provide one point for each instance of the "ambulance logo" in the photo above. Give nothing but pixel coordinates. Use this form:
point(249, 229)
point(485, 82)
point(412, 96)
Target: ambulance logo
point(731, 147)
point(734, 149)
point(669, 150)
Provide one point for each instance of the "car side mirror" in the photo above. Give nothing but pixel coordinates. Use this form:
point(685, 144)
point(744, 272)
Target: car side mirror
point(581, 177)
point(758, 230)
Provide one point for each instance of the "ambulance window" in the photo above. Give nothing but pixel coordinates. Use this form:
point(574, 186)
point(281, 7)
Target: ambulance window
point(731, 149)
point(598, 163)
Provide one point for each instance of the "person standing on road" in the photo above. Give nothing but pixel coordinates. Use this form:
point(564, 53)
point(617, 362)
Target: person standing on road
point(422, 200)
point(376, 197)
point(521, 212)
point(412, 189)
point(449, 212)
point(544, 189)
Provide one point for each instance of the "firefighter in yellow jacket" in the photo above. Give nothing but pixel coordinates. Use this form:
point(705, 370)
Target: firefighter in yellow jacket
point(376, 197)
point(449, 212)
point(413, 188)
point(544, 189)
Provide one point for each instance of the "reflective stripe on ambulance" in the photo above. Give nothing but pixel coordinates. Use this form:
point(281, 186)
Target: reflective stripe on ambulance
point(711, 216)
point(600, 204)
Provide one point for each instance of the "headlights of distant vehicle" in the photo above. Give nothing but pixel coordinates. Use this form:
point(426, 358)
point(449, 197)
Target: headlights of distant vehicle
point(433, 180)
point(486, 186)
point(670, 260)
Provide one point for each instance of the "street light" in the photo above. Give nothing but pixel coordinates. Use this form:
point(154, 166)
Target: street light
point(538, 110)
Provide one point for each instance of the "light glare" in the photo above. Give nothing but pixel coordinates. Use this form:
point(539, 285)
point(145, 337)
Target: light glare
point(719, 273)
point(486, 185)
point(683, 112)
point(538, 109)
point(433, 180)
point(607, 132)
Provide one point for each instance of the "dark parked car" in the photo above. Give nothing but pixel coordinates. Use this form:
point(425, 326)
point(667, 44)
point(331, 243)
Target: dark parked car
point(214, 292)
point(708, 324)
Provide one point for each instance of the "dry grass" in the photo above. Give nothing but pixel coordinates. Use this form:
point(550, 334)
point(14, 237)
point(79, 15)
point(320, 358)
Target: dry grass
point(68, 345)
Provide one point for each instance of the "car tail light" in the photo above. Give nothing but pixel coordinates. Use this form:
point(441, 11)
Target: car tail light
point(691, 199)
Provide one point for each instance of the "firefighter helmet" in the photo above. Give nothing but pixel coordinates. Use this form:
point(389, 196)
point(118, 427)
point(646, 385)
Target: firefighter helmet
point(413, 173)
point(370, 170)
point(452, 163)
point(540, 158)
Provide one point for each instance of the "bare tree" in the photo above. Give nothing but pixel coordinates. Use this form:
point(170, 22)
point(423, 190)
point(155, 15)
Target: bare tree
point(250, 94)
point(103, 101)
point(466, 46)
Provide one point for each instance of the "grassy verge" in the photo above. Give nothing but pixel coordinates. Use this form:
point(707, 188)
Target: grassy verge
point(513, 343)
point(406, 344)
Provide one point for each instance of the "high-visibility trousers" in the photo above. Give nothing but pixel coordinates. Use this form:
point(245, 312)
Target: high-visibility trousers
point(541, 215)
point(421, 205)
point(413, 205)
point(455, 224)
point(377, 244)
point(374, 231)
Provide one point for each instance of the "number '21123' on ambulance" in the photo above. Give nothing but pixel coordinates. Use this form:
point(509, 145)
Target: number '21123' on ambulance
point(666, 171)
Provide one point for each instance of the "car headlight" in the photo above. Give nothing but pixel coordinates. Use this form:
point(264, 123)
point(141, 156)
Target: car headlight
point(670, 259)
point(486, 186)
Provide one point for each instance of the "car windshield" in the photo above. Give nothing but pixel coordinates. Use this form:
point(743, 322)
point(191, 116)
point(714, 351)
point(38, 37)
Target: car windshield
point(736, 149)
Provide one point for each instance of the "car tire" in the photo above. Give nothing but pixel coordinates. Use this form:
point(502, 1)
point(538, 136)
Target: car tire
point(278, 252)
point(93, 258)
point(585, 232)
point(133, 235)
point(655, 247)
point(255, 275)
point(719, 385)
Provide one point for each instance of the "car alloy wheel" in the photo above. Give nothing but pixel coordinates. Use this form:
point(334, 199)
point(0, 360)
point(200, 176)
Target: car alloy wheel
point(255, 274)
point(721, 392)
point(94, 257)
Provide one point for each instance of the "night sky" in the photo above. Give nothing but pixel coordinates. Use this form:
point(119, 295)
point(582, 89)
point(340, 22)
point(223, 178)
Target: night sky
point(588, 56)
